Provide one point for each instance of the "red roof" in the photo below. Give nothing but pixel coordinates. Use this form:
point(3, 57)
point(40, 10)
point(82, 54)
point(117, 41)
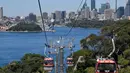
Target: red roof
point(106, 61)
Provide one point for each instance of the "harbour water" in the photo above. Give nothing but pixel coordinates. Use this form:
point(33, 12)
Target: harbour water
point(13, 45)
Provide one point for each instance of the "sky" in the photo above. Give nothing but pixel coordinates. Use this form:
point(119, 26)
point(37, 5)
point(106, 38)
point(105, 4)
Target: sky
point(24, 7)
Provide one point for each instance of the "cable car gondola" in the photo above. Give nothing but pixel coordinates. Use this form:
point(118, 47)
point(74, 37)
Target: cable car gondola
point(70, 59)
point(106, 66)
point(48, 64)
point(70, 62)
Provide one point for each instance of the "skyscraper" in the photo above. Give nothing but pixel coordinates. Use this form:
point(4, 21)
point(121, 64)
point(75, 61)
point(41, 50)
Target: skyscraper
point(107, 5)
point(108, 13)
point(103, 7)
point(115, 5)
point(127, 9)
point(120, 12)
point(93, 4)
point(45, 15)
point(32, 17)
point(58, 15)
point(1, 12)
point(94, 14)
point(53, 16)
point(85, 11)
point(63, 14)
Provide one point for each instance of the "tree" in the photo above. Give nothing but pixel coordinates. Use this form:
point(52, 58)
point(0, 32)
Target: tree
point(30, 63)
point(90, 70)
point(125, 70)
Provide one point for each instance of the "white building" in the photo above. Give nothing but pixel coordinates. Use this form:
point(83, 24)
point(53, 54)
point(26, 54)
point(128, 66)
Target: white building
point(94, 14)
point(85, 13)
point(101, 17)
point(108, 13)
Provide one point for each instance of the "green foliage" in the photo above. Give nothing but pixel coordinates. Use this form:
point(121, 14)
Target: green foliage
point(123, 62)
point(82, 53)
point(89, 62)
point(102, 45)
point(30, 63)
point(81, 67)
point(25, 26)
point(127, 54)
point(84, 23)
point(90, 70)
point(125, 70)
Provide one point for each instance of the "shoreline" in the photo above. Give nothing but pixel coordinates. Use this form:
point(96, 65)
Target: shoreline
point(59, 26)
point(24, 31)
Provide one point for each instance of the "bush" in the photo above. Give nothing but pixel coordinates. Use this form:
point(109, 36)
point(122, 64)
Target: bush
point(125, 70)
point(127, 54)
point(81, 53)
point(90, 70)
point(30, 63)
point(123, 61)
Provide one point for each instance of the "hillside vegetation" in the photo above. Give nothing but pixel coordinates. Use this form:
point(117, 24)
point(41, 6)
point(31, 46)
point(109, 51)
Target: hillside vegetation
point(84, 23)
point(30, 63)
point(101, 45)
point(25, 26)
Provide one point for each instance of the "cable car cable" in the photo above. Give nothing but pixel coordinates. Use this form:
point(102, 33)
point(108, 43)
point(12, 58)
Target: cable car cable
point(75, 19)
point(112, 33)
point(39, 3)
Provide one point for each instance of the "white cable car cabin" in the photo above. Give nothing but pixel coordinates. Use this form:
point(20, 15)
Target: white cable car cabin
point(48, 64)
point(70, 62)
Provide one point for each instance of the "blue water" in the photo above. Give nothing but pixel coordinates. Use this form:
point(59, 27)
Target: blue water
point(14, 45)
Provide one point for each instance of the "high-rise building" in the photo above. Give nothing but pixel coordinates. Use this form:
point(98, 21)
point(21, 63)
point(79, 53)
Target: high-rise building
point(120, 12)
point(108, 14)
point(32, 17)
point(1, 12)
point(107, 5)
point(58, 15)
point(115, 5)
point(53, 16)
point(45, 15)
point(94, 14)
point(63, 14)
point(85, 11)
point(93, 4)
point(127, 8)
point(103, 7)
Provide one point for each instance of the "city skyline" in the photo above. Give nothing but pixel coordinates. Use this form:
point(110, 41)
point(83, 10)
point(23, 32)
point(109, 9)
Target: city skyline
point(24, 7)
